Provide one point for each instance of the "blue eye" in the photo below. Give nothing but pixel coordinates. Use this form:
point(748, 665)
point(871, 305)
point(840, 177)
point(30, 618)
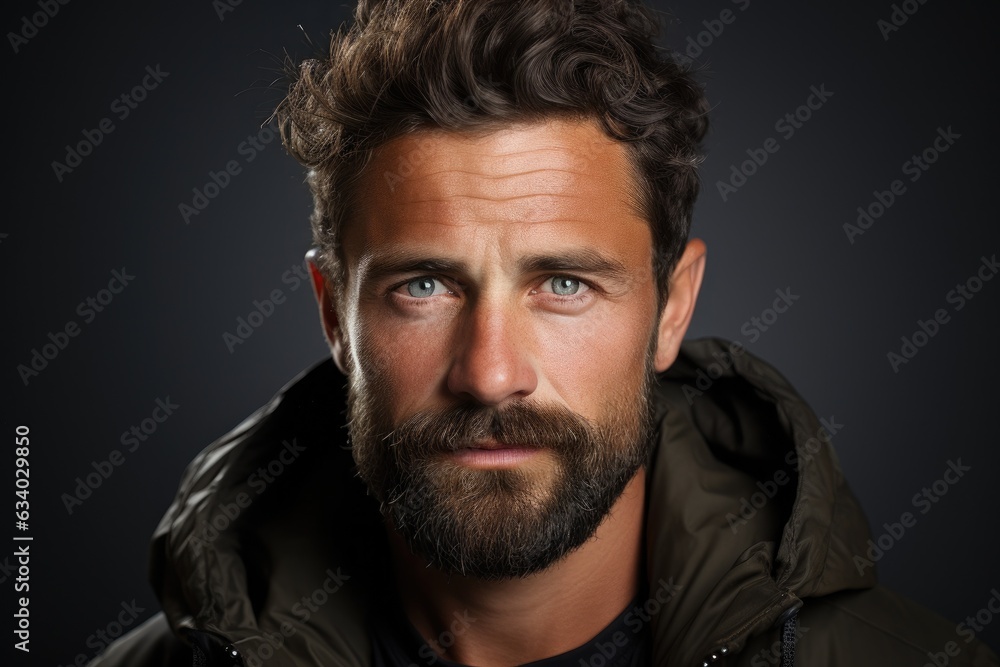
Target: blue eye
point(421, 287)
point(564, 286)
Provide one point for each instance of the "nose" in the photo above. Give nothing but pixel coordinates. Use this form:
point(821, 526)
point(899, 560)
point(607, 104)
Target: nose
point(492, 361)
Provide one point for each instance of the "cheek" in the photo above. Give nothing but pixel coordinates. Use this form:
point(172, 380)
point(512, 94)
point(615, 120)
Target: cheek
point(590, 361)
point(403, 363)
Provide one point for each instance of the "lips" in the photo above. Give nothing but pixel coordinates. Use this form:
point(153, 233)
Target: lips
point(493, 454)
point(493, 445)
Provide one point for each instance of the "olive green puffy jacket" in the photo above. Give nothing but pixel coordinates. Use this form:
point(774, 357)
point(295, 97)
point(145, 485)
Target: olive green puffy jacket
point(273, 554)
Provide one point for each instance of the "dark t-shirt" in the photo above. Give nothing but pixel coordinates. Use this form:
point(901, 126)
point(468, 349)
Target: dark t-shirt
point(624, 643)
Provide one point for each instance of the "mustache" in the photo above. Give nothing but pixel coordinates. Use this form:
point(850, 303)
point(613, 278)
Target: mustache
point(523, 424)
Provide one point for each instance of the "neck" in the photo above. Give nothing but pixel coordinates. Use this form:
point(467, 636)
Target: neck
point(516, 621)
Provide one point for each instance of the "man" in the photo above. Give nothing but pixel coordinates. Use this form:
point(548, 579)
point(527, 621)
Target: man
point(537, 470)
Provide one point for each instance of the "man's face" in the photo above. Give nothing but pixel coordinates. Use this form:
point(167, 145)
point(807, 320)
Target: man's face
point(499, 321)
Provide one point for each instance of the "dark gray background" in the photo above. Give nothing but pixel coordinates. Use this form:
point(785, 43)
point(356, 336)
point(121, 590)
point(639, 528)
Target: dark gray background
point(162, 336)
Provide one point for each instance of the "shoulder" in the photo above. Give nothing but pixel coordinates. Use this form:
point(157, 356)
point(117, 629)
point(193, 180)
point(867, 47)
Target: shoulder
point(874, 627)
point(152, 644)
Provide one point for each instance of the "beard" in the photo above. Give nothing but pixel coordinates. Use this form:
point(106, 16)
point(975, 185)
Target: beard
point(500, 523)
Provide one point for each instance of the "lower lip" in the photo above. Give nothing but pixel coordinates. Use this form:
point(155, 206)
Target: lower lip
point(506, 457)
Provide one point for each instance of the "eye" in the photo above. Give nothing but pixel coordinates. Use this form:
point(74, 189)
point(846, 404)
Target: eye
point(425, 286)
point(566, 286)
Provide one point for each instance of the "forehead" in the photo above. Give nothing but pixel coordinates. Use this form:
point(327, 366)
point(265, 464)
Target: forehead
point(541, 180)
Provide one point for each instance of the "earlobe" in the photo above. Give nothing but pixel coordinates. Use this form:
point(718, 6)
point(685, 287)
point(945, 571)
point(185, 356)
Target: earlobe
point(679, 309)
point(327, 312)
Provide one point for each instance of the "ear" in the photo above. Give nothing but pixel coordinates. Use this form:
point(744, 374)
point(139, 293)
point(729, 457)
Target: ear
point(676, 316)
point(326, 301)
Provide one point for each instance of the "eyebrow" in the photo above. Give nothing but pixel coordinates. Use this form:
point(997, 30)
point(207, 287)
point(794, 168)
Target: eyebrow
point(577, 260)
point(585, 260)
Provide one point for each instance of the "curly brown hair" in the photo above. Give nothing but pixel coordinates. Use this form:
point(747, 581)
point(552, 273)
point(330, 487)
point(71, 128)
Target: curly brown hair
point(462, 65)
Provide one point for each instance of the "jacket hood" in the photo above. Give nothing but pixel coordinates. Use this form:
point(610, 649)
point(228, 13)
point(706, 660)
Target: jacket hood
point(749, 511)
point(273, 545)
